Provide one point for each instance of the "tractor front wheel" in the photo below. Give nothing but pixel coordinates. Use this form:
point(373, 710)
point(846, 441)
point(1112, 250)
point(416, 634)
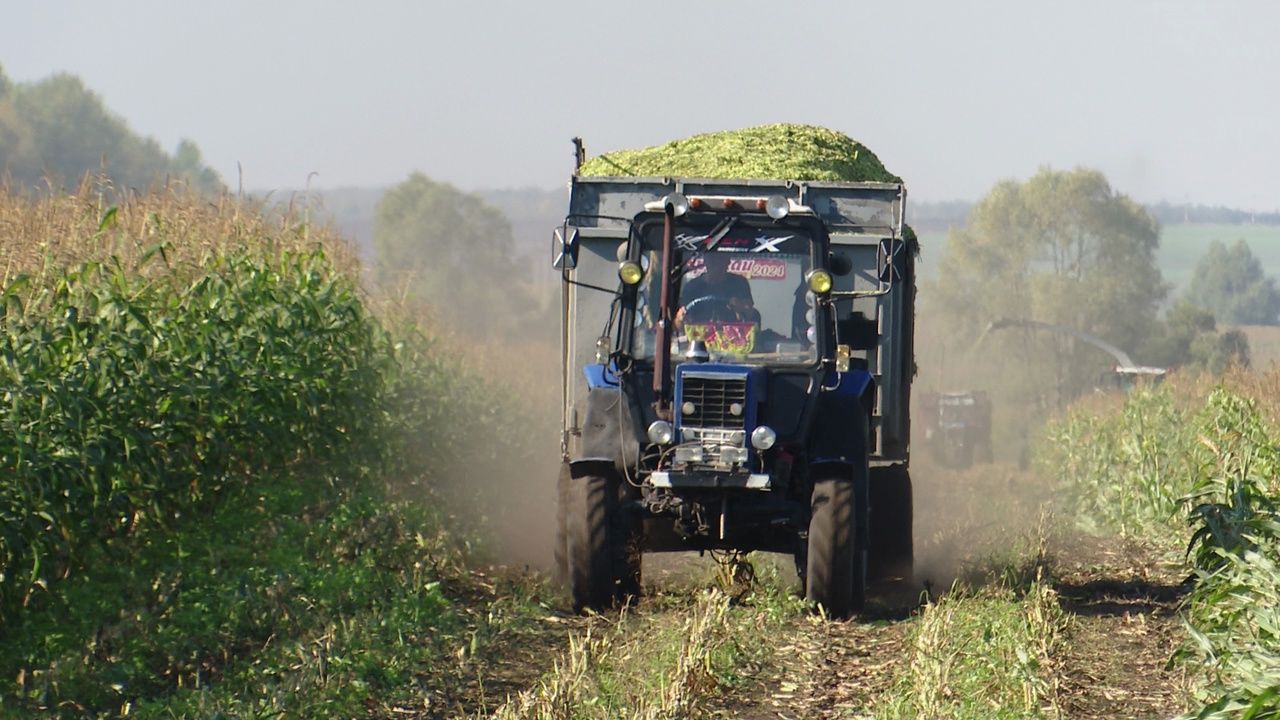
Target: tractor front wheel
point(835, 564)
point(603, 565)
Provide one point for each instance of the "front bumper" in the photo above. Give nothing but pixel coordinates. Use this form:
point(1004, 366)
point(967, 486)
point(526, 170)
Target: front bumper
point(754, 481)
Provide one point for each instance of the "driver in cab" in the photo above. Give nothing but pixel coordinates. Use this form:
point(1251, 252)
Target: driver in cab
point(716, 295)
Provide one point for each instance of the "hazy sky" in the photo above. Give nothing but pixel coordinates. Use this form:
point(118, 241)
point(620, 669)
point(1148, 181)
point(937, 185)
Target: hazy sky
point(1174, 100)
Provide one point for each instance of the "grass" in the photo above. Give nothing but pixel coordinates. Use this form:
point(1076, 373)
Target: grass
point(985, 653)
point(668, 659)
point(988, 648)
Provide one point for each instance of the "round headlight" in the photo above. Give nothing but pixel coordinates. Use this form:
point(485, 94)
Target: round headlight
point(630, 272)
point(763, 437)
point(819, 281)
point(777, 207)
point(661, 432)
point(688, 407)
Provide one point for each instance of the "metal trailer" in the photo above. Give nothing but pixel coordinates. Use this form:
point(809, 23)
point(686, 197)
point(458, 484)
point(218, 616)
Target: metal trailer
point(781, 428)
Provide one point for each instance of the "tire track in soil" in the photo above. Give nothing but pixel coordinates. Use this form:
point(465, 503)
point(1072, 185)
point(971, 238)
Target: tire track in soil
point(826, 669)
point(507, 663)
point(1123, 599)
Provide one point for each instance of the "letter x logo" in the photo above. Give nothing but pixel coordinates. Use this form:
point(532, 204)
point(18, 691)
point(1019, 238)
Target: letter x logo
point(764, 244)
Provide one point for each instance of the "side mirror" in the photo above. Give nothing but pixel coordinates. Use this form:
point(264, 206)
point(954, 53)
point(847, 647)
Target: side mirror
point(858, 332)
point(889, 258)
point(564, 248)
point(840, 264)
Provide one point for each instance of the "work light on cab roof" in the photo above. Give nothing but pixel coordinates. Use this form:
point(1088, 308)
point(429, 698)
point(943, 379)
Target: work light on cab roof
point(775, 206)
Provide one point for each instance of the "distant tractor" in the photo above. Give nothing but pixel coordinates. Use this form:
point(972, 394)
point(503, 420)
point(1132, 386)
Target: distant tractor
point(957, 427)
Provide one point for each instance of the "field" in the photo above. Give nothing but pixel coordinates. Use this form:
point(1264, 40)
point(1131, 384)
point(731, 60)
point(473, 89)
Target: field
point(239, 484)
point(1264, 345)
point(1181, 247)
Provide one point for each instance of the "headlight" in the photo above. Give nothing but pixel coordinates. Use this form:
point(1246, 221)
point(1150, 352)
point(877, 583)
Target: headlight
point(630, 272)
point(763, 437)
point(661, 432)
point(819, 281)
point(686, 454)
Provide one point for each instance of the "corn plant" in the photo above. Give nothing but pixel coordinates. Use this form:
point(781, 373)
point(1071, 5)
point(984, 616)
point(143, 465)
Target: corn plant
point(130, 397)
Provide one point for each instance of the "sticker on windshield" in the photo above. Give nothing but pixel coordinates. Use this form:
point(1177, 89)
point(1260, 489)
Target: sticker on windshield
point(764, 243)
point(685, 241)
point(759, 268)
point(760, 243)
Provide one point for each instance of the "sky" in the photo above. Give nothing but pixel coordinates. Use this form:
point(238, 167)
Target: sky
point(1173, 100)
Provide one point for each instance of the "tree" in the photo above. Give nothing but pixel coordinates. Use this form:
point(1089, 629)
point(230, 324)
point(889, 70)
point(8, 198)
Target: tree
point(1189, 337)
point(1061, 248)
point(57, 129)
point(450, 249)
point(1230, 282)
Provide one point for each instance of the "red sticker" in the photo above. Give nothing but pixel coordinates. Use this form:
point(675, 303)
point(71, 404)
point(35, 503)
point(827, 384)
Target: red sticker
point(759, 268)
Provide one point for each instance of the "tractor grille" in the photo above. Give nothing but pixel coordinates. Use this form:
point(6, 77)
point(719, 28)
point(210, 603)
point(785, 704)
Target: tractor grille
point(711, 398)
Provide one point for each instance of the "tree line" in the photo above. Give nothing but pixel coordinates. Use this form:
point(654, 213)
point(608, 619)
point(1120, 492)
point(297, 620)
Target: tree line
point(54, 131)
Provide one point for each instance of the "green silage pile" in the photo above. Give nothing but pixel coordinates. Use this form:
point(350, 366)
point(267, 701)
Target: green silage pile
point(782, 152)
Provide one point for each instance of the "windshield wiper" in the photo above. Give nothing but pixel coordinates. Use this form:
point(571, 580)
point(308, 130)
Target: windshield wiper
point(718, 232)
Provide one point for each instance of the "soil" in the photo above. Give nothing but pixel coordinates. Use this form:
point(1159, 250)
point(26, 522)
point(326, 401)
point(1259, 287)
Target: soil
point(1123, 597)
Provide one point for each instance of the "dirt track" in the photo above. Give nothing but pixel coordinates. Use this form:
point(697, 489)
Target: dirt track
point(1120, 598)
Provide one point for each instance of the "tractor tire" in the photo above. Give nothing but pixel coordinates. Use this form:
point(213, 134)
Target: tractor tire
point(892, 551)
point(600, 570)
point(630, 550)
point(560, 552)
point(835, 565)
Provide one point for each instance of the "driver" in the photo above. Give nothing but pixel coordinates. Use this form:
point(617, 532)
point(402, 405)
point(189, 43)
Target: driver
point(719, 291)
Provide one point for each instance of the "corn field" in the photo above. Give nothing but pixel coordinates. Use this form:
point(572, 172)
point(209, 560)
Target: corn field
point(164, 368)
point(1201, 464)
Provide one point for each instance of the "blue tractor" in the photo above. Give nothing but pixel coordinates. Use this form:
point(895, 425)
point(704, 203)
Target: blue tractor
point(737, 363)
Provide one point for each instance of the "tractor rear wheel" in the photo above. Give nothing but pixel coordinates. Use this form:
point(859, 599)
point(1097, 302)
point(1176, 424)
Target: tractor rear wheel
point(892, 550)
point(561, 551)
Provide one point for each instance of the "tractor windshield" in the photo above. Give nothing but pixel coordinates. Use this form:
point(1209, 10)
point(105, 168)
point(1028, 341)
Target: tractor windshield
point(747, 299)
